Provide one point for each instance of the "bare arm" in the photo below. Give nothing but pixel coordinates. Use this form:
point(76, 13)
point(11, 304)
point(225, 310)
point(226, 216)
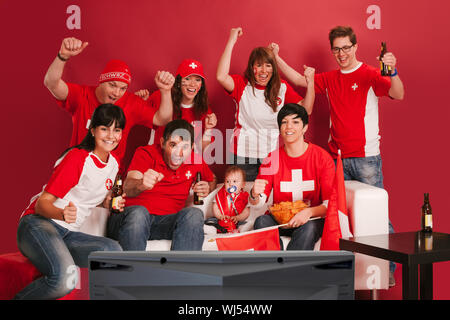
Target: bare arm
point(164, 81)
point(243, 215)
point(223, 68)
point(290, 74)
point(137, 182)
point(303, 216)
point(44, 207)
point(70, 47)
point(308, 101)
point(397, 90)
point(217, 212)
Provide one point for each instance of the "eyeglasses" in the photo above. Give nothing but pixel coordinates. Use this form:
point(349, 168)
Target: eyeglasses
point(345, 49)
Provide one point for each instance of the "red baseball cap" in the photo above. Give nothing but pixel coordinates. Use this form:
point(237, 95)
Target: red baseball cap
point(116, 70)
point(189, 67)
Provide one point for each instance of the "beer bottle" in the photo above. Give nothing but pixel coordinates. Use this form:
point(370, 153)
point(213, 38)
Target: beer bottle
point(197, 199)
point(385, 70)
point(117, 192)
point(427, 220)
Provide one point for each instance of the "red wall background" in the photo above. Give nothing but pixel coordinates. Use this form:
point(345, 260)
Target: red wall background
point(158, 34)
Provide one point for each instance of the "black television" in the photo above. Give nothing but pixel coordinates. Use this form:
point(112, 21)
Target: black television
point(221, 275)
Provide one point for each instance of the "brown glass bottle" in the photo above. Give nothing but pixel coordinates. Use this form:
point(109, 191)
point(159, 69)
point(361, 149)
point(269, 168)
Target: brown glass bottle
point(427, 218)
point(197, 199)
point(385, 70)
point(117, 192)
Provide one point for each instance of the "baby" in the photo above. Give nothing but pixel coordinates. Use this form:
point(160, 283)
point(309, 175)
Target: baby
point(231, 202)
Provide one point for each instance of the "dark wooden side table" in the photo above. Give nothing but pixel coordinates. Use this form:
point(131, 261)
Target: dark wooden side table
point(411, 249)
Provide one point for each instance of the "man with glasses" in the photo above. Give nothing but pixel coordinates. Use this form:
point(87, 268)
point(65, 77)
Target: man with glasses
point(353, 92)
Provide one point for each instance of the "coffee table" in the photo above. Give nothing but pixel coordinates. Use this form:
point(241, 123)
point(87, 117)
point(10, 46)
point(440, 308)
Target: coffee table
point(411, 249)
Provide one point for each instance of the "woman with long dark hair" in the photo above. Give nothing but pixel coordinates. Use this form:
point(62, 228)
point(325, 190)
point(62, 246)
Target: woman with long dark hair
point(258, 95)
point(49, 229)
point(190, 102)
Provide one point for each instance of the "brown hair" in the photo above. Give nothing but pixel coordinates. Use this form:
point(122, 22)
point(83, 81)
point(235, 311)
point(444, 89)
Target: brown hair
point(341, 32)
point(234, 168)
point(264, 55)
point(200, 100)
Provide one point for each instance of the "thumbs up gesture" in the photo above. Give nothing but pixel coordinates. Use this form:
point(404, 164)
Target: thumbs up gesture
point(70, 213)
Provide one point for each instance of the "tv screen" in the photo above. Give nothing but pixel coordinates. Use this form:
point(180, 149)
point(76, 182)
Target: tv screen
point(221, 275)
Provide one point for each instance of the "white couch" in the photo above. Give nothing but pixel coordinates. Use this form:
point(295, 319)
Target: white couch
point(368, 212)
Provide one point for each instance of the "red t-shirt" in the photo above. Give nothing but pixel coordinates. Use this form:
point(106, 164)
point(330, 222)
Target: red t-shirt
point(353, 97)
point(187, 113)
point(169, 195)
point(309, 176)
point(81, 103)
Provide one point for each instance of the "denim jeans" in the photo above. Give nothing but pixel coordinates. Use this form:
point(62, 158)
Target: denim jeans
point(54, 251)
point(367, 170)
point(134, 226)
point(302, 238)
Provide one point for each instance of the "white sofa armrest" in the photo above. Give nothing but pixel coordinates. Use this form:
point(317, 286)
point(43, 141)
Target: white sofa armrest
point(368, 214)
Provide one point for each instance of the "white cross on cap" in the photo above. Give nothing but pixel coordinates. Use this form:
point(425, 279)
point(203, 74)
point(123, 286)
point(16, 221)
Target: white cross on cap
point(297, 186)
point(193, 65)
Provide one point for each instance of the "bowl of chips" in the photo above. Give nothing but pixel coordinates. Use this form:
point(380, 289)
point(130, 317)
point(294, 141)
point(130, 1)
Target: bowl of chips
point(285, 210)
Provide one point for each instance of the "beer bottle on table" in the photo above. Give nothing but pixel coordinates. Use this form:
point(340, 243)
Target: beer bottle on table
point(117, 192)
point(197, 199)
point(385, 70)
point(427, 219)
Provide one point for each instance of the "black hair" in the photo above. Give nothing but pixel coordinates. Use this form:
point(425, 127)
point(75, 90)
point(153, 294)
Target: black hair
point(293, 108)
point(181, 128)
point(104, 115)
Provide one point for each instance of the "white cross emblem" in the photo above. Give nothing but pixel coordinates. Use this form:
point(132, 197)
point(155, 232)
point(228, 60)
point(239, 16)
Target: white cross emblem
point(354, 86)
point(193, 65)
point(188, 174)
point(297, 186)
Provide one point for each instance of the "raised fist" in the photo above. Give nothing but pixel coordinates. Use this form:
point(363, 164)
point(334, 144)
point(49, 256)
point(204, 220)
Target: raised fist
point(71, 47)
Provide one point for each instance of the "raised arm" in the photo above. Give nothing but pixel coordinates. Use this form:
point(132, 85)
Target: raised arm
point(137, 182)
point(308, 101)
point(223, 69)
point(70, 47)
point(164, 81)
point(290, 74)
point(397, 90)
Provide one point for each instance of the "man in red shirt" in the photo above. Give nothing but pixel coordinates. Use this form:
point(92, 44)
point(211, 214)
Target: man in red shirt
point(353, 91)
point(81, 100)
point(299, 170)
point(157, 185)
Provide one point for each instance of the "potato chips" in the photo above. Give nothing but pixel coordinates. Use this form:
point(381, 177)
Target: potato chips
point(285, 210)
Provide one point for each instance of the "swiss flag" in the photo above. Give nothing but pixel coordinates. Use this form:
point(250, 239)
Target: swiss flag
point(261, 239)
point(336, 220)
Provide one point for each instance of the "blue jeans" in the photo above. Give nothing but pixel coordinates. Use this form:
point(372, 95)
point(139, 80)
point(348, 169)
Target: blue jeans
point(54, 251)
point(302, 238)
point(134, 226)
point(367, 170)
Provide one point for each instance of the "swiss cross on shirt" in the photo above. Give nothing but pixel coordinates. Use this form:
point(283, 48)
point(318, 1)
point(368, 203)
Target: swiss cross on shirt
point(297, 186)
point(188, 174)
point(108, 184)
point(354, 86)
